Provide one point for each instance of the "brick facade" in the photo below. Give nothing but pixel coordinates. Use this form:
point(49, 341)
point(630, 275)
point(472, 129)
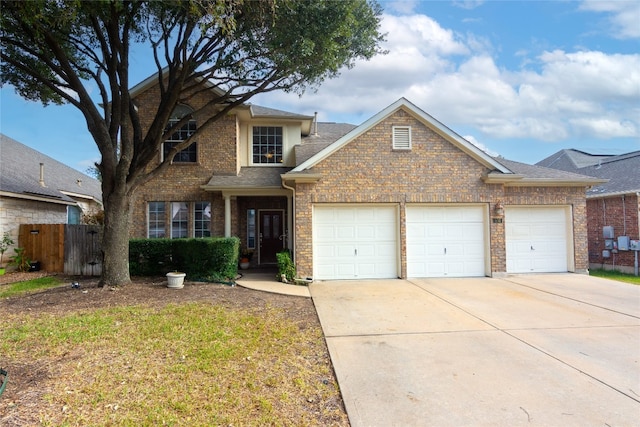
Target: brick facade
point(181, 182)
point(620, 212)
point(366, 170)
point(369, 170)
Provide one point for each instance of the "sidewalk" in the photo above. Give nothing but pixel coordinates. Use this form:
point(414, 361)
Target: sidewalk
point(265, 280)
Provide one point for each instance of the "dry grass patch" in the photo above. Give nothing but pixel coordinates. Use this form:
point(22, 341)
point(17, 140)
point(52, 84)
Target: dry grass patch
point(190, 364)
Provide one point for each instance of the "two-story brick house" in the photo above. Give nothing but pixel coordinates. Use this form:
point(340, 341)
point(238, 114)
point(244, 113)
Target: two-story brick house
point(401, 195)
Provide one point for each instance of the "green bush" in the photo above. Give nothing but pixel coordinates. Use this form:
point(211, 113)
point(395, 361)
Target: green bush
point(286, 266)
point(210, 259)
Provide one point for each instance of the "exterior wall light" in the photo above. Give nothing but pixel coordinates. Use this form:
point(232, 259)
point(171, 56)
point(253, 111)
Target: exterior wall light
point(498, 209)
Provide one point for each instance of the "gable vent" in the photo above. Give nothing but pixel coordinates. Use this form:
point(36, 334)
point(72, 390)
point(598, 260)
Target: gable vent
point(402, 137)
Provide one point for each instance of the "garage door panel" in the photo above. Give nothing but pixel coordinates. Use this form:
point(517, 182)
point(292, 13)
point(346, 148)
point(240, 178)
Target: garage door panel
point(366, 232)
point(363, 242)
point(435, 230)
point(536, 239)
point(326, 232)
point(344, 232)
point(452, 243)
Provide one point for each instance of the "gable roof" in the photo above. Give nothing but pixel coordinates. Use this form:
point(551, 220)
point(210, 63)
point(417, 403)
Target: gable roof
point(255, 111)
point(20, 176)
point(420, 115)
point(620, 173)
point(502, 171)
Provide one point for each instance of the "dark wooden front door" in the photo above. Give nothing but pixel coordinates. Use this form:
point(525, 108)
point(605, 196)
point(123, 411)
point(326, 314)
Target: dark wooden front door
point(271, 235)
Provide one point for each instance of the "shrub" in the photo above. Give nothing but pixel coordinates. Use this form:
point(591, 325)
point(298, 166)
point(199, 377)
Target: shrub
point(202, 259)
point(286, 266)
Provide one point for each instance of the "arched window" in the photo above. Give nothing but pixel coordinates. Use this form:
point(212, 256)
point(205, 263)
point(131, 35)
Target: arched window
point(189, 154)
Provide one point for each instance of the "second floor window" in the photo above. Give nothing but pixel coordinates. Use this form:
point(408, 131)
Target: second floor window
point(267, 145)
point(189, 154)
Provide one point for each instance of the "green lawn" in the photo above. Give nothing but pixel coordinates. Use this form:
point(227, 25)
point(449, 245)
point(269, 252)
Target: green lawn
point(187, 364)
point(616, 275)
point(17, 288)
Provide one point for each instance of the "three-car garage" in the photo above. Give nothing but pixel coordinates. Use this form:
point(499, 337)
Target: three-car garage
point(364, 241)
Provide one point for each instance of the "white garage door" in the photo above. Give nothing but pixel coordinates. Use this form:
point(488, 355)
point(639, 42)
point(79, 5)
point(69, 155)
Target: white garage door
point(536, 239)
point(445, 241)
point(355, 242)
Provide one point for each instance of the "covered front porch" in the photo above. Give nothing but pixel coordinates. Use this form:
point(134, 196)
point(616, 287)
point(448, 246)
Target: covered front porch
point(258, 210)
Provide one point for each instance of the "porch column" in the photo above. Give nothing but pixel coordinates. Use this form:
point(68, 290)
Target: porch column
point(227, 215)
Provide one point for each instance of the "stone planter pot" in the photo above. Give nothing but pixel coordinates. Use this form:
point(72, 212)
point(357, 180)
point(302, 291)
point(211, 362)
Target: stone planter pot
point(175, 280)
point(244, 265)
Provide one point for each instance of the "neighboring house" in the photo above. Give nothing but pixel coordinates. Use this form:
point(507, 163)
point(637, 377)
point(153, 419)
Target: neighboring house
point(401, 195)
point(612, 207)
point(36, 189)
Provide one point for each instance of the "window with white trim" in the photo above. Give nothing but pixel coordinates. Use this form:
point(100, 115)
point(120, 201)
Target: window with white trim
point(155, 218)
point(402, 137)
point(185, 219)
point(267, 145)
point(202, 219)
point(179, 220)
point(189, 154)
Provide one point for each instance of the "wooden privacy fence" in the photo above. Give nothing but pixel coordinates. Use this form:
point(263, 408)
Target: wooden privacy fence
point(64, 248)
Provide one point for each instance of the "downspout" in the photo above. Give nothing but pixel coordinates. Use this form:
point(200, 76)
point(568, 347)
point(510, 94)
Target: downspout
point(624, 216)
point(292, 215)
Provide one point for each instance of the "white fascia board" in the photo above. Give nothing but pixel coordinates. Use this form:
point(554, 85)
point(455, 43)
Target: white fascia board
point(428, 120)
point(36, 198)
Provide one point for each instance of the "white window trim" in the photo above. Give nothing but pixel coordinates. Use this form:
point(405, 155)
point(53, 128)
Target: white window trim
point(401, 137)
point(284, 145)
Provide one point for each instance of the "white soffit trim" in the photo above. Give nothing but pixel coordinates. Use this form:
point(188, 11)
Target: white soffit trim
point(428, 120)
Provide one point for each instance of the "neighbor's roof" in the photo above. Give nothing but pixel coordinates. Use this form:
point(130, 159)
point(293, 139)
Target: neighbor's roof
point(532, 175)
point(20, 176)
point(622, 171)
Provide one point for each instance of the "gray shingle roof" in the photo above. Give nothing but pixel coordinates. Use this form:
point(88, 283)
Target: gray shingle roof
point(327, 134)
point(622, 171)
point(20, 174)
point(572, 159)
point(250, 177)
point(543, 173)
point(259, 111)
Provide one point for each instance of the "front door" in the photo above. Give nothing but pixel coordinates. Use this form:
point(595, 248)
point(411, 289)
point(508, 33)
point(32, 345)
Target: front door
point(271, 235)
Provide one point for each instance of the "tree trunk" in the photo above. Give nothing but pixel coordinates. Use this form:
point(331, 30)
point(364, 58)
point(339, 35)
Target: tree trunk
point(115, 244)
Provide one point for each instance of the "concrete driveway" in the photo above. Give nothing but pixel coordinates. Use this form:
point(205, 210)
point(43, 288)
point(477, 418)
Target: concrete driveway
point(535, 350)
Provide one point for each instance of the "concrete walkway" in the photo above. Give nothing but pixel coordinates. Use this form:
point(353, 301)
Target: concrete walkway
point(534, 350)
point(265, 280)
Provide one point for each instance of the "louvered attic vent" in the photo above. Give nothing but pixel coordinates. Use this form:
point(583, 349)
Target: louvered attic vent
point(402, 137)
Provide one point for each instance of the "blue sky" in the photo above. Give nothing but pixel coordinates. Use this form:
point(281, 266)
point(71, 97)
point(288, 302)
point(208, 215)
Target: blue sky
point(522, 79)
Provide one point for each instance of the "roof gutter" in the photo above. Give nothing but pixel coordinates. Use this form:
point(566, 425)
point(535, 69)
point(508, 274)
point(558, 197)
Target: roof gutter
point(615, 194)
point(36, 198)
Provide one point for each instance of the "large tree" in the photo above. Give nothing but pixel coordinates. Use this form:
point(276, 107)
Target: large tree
point(57, 51)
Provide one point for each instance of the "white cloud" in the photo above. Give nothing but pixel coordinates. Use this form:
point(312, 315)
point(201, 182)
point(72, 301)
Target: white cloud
point(480, 145)
point(403, 7)
point(623, 19)
point(562, 95)
point(468, 4)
